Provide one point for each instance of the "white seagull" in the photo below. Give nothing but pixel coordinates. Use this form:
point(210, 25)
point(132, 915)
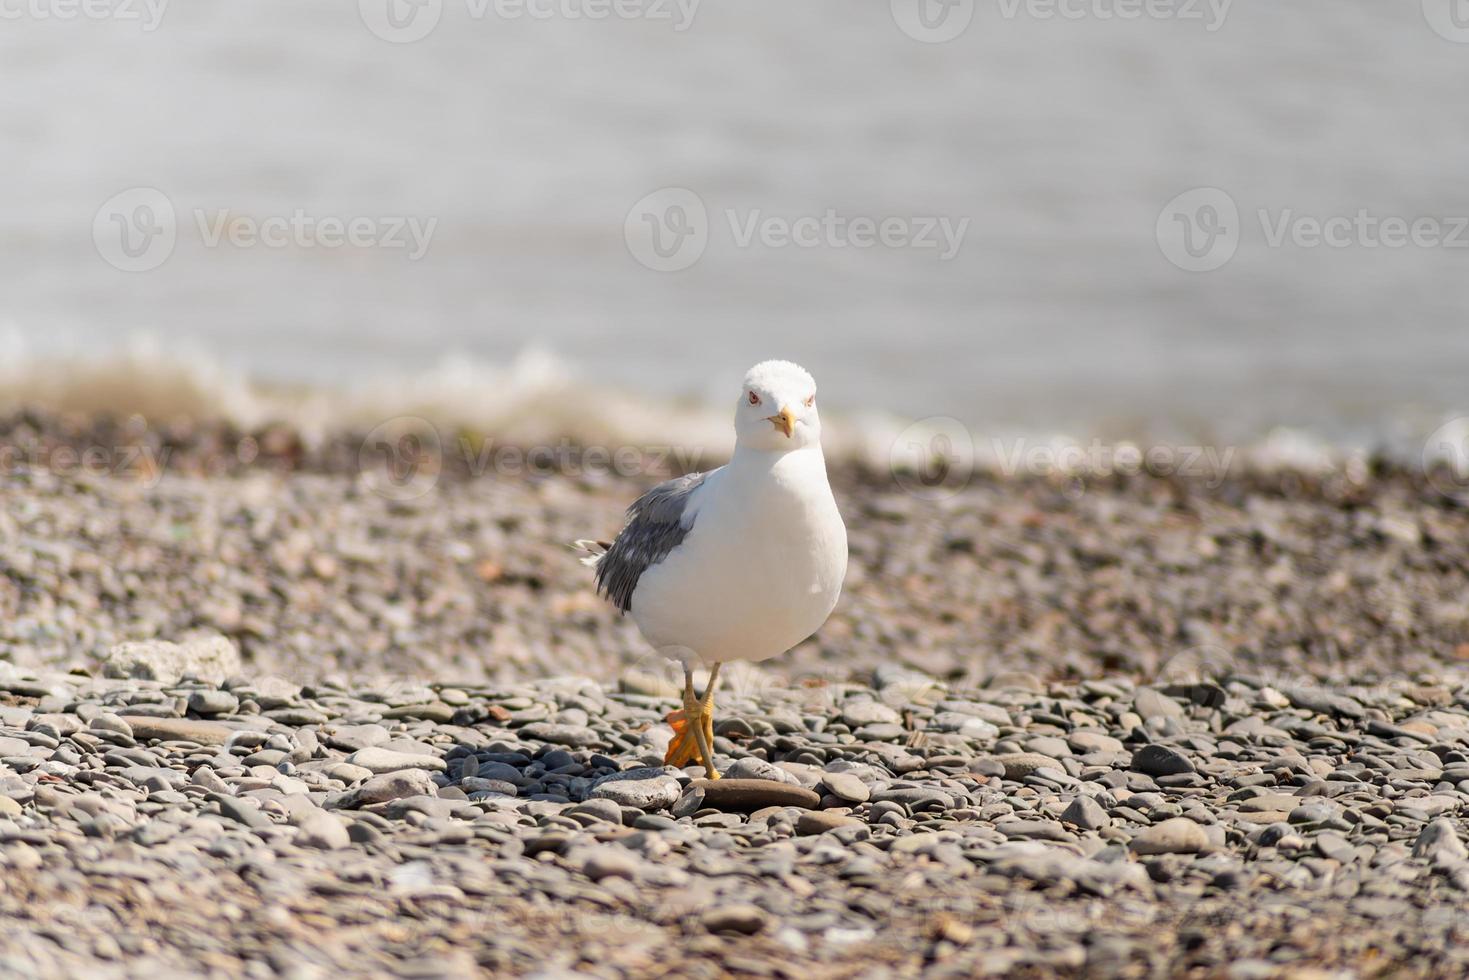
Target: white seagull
point(740, 563)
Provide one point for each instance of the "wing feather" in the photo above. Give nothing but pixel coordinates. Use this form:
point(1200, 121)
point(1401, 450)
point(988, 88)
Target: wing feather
point(657, 522)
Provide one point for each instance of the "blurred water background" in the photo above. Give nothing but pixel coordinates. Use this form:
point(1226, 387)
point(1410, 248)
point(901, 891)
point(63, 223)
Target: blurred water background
point(528, 140)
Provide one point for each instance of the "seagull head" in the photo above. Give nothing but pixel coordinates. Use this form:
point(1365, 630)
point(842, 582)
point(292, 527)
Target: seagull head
point(777, 408)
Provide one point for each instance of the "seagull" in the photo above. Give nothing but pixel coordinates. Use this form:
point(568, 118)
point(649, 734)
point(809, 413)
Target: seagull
point(740, 563)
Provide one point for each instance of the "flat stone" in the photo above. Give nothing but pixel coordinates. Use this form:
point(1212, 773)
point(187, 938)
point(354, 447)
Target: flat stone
point(1019, 765)
point(820, 821)
point(241, 812)
point(610, 861)
point(746, 920)
point(213, 703)
point(350, 738)
point(600, 808)
point(376, 759)
point(1083, 743)
point(645, 789)
point(1149, 703)
point(859, 714)
point(388, 786)
point(1160, 760)
point(845, 786)
point(178, 729)
point(322, 830)
point(575, 736)
point(1034, 830)
point(749, 795)
point(1177, 835)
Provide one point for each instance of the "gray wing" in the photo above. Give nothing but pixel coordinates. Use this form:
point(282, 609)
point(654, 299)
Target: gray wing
point(656, 524)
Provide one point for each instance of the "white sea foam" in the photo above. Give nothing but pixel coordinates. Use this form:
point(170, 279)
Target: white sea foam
point(539, 398)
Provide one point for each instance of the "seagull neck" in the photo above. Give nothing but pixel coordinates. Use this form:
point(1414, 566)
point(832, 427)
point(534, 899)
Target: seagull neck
point(748, 461)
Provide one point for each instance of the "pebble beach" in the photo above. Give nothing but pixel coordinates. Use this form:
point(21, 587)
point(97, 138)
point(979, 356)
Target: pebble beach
point(261, 715)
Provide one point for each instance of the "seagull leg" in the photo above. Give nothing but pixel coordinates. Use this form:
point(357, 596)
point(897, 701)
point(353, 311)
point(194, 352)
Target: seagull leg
point(684, 748)
point(707, 711)
point(693, 730)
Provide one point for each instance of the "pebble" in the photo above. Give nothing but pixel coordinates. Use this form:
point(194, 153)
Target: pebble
point(744, 919)
point(1019, 765)
point(1160, 760)
point(1086, 813)
point(845, 786)
point(641, 789)
point(749, 795)
point(1177, 835)
point(376, 759)
point(820, 821)
point(322, 830)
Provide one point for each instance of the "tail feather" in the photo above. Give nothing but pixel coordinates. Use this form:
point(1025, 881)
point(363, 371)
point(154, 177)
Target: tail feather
point(594, 550)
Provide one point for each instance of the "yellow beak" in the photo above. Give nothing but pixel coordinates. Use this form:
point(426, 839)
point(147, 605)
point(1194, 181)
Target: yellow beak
point(785, 421)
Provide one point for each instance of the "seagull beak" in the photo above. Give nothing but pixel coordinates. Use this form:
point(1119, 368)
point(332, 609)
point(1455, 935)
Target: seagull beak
point(785, 421)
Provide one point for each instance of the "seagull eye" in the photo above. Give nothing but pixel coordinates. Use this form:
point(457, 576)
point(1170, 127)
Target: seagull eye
point(811, 401)
point(754, 398)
